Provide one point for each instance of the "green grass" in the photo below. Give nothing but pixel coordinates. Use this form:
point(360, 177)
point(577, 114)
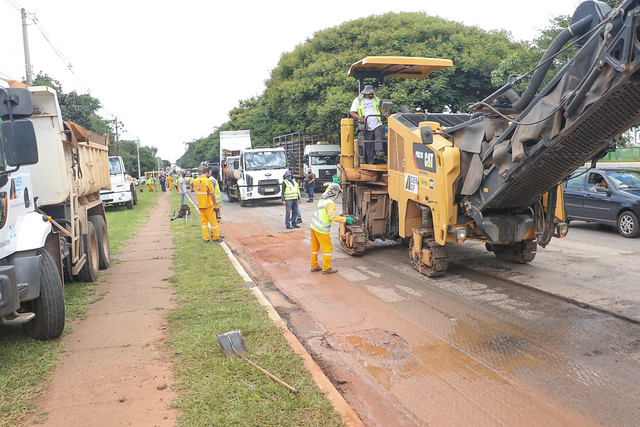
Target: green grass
point(26, 364)
point(215, 390)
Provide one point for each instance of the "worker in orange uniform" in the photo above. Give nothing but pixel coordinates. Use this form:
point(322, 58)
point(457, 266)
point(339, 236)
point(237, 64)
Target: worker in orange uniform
point(206, 204)
point(169, 179)
point(324, 216)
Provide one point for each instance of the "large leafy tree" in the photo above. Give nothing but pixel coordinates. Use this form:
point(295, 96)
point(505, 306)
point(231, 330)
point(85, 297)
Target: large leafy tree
point(309, 89)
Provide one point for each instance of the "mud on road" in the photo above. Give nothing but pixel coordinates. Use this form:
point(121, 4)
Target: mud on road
point(485, 345)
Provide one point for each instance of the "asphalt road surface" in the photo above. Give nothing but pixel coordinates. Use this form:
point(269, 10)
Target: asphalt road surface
point(553, 342)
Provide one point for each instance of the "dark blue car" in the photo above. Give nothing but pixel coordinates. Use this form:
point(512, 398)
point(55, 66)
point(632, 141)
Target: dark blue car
point(608, 196)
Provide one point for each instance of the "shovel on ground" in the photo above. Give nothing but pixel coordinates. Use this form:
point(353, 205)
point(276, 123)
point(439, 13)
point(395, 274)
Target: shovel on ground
point(233, 345)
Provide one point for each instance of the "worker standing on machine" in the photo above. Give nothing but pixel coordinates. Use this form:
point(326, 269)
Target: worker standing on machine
point(367, 105)
point(323, 217)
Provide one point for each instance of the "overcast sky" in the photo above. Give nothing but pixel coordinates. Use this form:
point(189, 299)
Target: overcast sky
point(171, 71)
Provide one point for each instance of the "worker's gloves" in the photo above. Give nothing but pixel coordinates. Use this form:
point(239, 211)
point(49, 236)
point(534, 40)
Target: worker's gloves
point(350, 220)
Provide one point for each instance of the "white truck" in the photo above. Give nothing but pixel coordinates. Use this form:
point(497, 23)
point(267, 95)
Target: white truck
point(123, 188)
point(250, 173)
point(52, 222)
point(313, 150)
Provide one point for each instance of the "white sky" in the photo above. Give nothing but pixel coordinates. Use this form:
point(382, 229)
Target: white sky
point(171, 71)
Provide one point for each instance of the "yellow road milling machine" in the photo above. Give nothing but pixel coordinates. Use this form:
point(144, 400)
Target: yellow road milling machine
point(493, 175)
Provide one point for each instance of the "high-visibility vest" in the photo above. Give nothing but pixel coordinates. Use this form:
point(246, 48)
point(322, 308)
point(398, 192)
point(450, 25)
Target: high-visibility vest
point(291, 190)
point(376, 105)
point(321, 221)
point(203, 188)
point(216, 190)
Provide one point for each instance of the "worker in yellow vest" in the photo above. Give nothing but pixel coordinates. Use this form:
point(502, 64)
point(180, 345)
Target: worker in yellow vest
point(206, 204)
point(324, 216)
point(290, 198)
point(151, 183)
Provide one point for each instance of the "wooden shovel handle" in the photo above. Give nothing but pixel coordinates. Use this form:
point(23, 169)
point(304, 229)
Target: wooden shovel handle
point(269, 374)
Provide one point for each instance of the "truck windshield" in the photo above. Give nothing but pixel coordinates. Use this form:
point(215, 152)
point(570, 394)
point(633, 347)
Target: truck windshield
point(324, 160)
point(265, 160)
point(114, 167)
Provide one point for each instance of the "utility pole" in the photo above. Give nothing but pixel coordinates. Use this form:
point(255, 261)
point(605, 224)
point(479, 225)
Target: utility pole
point(138, 147)
point(25, 41)
point(117, 139)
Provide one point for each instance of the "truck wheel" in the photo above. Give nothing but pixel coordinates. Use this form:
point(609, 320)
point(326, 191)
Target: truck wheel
point(243, 203)
point(49, 306)
point(628, 224)
point(129, 204)
point(89, 271)
point(102, 234)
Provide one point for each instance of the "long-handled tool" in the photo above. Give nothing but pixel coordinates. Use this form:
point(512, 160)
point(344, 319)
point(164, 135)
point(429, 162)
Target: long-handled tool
point(233, 345)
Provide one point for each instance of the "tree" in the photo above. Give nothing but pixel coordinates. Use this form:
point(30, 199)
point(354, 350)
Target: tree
point(309, 89)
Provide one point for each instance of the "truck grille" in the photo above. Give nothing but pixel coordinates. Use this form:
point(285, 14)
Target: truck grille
point(325, 174)
point(269, 187)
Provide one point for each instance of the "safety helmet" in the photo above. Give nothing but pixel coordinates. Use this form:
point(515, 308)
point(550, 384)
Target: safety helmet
point(332, 192)
point(287, 174)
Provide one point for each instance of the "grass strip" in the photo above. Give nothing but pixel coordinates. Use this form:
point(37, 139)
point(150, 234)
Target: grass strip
point(26, 364)
point(214, 389)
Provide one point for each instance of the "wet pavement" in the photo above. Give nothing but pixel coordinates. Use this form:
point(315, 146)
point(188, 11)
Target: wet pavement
point(491, 343)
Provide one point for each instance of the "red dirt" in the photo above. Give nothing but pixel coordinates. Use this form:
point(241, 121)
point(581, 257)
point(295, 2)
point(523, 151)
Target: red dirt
point(114, 371)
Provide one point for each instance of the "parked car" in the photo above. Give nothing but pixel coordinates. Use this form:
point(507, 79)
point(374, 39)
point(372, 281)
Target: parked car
point(608, 196)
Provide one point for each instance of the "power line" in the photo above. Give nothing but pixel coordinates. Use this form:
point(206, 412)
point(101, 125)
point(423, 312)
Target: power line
point(14, 4)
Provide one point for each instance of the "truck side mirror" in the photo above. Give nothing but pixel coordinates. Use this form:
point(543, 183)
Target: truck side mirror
point(426, 133)
point(19, 143)
point(15, 103)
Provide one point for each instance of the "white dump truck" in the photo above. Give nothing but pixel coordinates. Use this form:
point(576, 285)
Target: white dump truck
point(123, 187)
point(52, 222)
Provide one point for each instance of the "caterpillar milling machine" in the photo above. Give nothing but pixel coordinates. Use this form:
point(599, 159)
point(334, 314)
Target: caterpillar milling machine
point(494, 175)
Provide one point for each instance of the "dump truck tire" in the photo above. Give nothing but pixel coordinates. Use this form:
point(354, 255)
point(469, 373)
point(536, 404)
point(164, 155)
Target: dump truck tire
point(89, 271)
point(102, 234)
point(49, 306)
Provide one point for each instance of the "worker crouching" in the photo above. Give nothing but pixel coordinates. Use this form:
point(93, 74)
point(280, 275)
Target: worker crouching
point(324, 216)
point(205, 196)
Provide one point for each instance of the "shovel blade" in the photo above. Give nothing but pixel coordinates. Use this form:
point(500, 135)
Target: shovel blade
point(232, 343)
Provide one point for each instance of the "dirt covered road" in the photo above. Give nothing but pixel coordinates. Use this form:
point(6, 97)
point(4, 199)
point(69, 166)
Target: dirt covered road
point(480, 346)
point(113, 371)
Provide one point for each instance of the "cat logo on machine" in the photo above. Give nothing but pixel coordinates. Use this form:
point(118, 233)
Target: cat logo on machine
point(411, 183)
point(423, 157)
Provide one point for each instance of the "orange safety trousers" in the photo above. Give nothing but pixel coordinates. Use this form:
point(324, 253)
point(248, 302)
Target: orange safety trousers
point(207, 216)
point(150, 187)
point(321, 240)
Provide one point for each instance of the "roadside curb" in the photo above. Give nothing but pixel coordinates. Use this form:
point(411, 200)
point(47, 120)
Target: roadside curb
point(348, 415)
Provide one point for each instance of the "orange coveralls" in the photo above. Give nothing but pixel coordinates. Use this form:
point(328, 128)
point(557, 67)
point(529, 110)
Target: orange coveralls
point(204, 195)
point(322, 239)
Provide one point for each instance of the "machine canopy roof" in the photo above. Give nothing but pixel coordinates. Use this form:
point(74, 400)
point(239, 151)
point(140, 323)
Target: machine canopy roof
point(396, 67)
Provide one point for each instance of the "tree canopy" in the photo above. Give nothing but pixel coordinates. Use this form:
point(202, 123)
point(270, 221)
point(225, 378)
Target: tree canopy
point(309, 89)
